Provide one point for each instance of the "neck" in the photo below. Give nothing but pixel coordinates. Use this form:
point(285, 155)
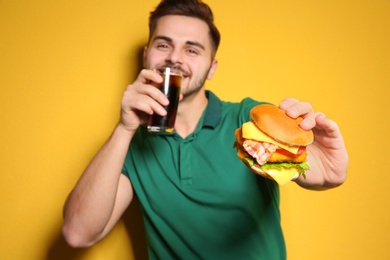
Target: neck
point(189, 113)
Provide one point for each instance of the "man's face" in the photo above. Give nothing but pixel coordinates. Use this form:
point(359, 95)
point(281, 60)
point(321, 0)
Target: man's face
point(184, 42)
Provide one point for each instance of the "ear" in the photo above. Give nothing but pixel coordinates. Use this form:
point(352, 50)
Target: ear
point(145, 54)
point(213, 68)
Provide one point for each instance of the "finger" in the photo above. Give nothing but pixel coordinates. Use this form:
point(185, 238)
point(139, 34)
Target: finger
point(287, 102)
point(145, 98)
point(150, 90)
point(295, 108)
point(328, 125)
point(310, 121)
point(146, 76)
point(143, 103)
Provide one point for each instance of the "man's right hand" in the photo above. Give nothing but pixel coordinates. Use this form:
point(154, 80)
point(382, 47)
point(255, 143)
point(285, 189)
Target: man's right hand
point(141, 99)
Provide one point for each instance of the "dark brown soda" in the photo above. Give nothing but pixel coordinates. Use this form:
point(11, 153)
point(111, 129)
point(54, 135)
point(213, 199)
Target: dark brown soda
point(171, 89)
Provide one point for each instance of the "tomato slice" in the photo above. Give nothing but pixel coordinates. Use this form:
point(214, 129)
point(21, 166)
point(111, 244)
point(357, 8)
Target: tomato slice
point(301, 150)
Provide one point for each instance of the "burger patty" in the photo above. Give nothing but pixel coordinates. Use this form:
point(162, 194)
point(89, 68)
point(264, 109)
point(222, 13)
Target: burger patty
point(278, 157)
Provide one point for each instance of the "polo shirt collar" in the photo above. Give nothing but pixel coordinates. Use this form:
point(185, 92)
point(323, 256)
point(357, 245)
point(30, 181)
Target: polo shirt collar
point(213, 111)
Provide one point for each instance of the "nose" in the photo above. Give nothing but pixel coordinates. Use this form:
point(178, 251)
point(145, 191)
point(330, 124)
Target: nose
point(175, 57)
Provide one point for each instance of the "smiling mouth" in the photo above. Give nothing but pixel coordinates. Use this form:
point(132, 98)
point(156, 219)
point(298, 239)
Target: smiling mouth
point(184, 73)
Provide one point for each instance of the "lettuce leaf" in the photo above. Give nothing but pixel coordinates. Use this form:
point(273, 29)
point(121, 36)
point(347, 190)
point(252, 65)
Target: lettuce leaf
point(301, 167)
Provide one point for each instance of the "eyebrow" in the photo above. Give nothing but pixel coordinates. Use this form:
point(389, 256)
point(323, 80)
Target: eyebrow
point(192, 43)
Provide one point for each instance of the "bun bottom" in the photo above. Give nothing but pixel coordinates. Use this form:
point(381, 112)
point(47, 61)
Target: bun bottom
point(280, 176)
point(259, 171)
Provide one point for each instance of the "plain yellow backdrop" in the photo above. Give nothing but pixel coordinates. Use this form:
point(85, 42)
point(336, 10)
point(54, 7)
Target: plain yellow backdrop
point(65, 64)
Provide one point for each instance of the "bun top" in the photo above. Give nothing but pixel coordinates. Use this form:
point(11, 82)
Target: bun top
point(274, 122)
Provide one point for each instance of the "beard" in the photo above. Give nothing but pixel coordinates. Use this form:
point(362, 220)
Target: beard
point(196, 86)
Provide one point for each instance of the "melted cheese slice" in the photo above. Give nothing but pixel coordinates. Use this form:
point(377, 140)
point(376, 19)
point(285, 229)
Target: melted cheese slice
point(283, 176)
point(250, 131)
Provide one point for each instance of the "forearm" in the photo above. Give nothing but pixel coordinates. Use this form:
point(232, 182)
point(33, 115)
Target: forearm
point(89, 208)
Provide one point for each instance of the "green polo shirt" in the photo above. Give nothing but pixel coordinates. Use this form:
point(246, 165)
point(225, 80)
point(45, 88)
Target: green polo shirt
point(199, 200)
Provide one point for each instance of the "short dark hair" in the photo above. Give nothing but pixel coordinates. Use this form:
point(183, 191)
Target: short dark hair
point(191, 8)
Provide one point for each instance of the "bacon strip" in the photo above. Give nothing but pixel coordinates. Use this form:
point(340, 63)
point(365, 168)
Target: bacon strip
point(259, 150)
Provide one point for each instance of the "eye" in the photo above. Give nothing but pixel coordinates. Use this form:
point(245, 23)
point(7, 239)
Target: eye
point(162, 46)
point(192, 51)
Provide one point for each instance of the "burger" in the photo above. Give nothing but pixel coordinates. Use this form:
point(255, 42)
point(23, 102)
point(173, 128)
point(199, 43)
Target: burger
point(273, 144)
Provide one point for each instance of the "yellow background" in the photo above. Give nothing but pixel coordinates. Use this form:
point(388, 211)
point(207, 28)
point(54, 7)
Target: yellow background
point(65, 64)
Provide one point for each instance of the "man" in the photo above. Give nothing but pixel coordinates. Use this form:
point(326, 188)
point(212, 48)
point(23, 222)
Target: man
point(199, 200)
